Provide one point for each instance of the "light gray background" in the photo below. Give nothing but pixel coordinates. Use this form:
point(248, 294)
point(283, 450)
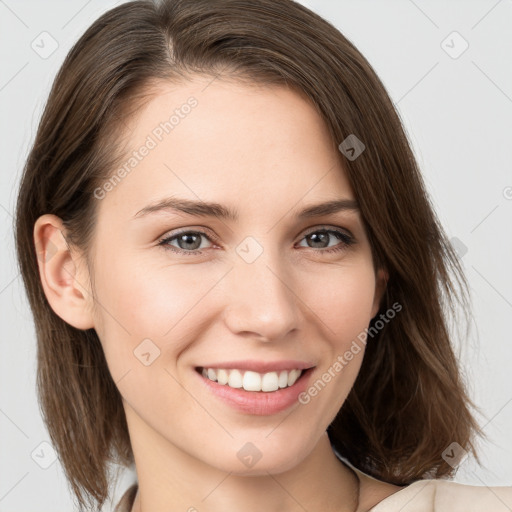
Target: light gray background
point(458, 114)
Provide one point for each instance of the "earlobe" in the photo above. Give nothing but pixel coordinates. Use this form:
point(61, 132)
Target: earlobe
point(59, 267)
point(381, 283)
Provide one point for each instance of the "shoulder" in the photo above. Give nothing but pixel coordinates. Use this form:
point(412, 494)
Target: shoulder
point(446, 496)
point(472, 497)
point(126, 502)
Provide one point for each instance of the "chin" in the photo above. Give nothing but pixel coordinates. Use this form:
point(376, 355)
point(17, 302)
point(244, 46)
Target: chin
point(260, 457)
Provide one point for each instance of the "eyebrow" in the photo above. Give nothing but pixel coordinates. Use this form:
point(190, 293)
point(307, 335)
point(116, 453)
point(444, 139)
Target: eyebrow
point(217, 210)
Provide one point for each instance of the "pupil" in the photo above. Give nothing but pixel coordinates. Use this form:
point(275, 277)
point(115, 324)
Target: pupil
point(185, 239)
point(319, 238)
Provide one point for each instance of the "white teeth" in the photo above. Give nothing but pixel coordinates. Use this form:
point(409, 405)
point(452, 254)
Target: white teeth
point(269, 382)
point(283, 379)
point(253, 381)
point(292, 377)
point(235, 379)
point(222, 376)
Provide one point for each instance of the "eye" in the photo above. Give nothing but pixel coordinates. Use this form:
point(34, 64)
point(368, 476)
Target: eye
point(320, 237)
point(187, 242)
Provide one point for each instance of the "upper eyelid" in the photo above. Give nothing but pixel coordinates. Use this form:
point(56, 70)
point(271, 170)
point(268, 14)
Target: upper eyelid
point(326, 227)
point(202, 231)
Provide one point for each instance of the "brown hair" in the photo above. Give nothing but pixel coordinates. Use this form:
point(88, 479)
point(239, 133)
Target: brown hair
point(408, 402)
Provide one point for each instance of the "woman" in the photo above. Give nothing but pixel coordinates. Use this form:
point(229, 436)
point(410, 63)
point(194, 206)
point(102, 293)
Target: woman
point(297, 355)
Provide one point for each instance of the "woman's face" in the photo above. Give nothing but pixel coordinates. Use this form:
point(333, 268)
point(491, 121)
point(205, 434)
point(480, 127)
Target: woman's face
point(267, 291)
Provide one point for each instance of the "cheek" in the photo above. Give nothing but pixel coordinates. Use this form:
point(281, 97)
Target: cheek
point(139, 299)
point(343, 300)
point(143, 301)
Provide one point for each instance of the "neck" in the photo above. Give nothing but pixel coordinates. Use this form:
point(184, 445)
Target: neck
point(169, 479)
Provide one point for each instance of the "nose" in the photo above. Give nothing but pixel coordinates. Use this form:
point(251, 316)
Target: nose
point(261, 301)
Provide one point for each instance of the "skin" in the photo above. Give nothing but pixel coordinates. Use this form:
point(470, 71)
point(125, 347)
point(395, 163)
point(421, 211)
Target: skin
point(265, 152)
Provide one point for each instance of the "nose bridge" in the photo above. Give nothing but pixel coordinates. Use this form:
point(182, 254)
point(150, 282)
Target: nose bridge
point(260, 296)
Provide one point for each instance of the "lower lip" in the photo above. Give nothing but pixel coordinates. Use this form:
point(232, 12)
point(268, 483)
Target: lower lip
point(259, 403)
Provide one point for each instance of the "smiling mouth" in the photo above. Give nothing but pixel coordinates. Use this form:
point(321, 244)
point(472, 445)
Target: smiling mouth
point(253, 381)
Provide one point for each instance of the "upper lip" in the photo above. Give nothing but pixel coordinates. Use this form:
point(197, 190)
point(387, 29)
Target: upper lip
point(260, 366)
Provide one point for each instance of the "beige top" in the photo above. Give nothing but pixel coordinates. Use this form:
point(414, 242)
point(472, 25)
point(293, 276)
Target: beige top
point(445, 496)
point(420, 496)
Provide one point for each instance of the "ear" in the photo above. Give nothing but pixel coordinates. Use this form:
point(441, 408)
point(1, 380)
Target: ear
point(64, 277)
point(381, 281)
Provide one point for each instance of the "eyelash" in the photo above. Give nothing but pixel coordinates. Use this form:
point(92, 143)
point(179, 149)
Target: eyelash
point(345, 239)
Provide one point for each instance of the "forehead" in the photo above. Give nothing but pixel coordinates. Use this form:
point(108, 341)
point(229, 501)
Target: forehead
point(241, 144)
